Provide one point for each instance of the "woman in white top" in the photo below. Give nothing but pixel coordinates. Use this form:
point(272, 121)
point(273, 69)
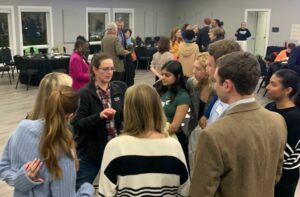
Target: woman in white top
point(161, 57)
point(143, 161)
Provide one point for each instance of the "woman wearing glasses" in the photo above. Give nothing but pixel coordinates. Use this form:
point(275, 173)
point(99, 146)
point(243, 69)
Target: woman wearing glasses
point(99, 116)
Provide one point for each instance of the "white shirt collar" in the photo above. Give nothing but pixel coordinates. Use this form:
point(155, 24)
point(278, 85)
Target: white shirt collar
point(242, 101)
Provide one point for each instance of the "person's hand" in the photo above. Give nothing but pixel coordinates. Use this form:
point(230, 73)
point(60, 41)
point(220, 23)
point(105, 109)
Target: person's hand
point(107, 113)
point(202, 122)
point(32, 168)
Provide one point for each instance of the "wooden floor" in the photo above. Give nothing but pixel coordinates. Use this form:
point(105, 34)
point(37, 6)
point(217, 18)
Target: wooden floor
point(15, 103)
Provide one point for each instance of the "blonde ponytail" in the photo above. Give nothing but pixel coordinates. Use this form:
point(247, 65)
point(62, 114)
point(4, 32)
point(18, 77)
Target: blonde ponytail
point(57, 138)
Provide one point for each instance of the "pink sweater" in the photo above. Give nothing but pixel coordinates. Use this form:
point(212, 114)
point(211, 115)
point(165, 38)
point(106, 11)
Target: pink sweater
point(79, 71)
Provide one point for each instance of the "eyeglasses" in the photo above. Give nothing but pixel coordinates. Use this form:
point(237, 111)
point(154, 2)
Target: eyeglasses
point(107, 69)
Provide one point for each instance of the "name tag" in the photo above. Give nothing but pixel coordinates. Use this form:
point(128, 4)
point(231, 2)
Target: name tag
point(219, 109)
point(117, 99)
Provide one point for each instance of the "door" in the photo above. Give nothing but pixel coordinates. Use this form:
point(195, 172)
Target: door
point(258, 23)
point(251, 25)
point(261, 33)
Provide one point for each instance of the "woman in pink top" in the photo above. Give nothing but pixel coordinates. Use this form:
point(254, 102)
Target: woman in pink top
point(78, 66)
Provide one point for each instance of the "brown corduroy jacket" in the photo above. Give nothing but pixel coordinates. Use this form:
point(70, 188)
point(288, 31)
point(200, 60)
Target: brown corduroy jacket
point(240, 155)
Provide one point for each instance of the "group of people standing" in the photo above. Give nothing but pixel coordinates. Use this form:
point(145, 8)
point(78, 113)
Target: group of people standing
point(232, 147)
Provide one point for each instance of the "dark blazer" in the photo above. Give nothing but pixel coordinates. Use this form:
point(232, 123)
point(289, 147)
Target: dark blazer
point(203, 38)
point(89, 130)
point(241, 154)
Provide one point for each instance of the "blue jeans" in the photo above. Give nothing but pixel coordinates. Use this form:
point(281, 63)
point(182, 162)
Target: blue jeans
point(88, 170)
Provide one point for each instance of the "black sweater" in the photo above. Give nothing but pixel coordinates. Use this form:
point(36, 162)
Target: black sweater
point(291, 164)
point(242, 34)
point(90, 131)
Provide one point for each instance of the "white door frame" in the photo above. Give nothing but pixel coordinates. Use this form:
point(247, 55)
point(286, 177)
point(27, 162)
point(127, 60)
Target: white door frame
point(268, 10)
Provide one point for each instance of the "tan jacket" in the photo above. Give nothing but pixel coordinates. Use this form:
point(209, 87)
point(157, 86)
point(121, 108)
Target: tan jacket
point(158, 60)
point(240, 155)
point(188, 53)
point(111, 44)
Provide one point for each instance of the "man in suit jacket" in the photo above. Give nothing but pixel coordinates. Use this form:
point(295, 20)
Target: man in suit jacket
point(202, 36)
point(241, 154)
point(111, 44)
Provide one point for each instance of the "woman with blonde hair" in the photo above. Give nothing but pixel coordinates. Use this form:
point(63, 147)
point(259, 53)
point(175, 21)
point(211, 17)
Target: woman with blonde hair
point(143, 160)
point(201, 92)
point(176, 39)
point(49, 83)
point(51, 141)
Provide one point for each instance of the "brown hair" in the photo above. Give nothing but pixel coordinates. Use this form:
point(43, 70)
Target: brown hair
point(173, 37)
point(57, 138)
point(143, 111)
point(49, 83)
point(163, 45)
point(223, 47)
point(218, 32)
point(96, 62)
point(207, 21)
point(242, 68)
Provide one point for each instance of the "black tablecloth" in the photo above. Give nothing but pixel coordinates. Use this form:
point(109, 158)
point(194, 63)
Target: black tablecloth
point(45, 65)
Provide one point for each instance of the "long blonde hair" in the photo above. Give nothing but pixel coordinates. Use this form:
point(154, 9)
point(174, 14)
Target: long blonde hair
point(57, 138)
point(49, 83)
point(143, 111)
point(202, 61)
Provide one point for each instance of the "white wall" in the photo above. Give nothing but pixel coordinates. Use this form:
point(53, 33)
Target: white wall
point(162, 12)
point(283, 14)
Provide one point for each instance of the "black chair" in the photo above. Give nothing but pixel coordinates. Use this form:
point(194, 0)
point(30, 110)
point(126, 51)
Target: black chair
point(263, 73)
point(148, 40)
point(142, 54)
point(156, 39)
point(4, 68)
point(7, 59)
point(24, 70)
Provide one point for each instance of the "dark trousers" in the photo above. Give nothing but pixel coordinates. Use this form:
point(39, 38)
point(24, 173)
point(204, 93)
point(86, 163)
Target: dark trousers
point(184, 144)
point(129, 71)
point(88, 170)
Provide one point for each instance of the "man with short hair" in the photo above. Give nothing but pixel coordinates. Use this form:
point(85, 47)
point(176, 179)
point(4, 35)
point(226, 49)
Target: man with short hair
point(120, 33)
point(202, 36)
point(110, 44)
point(242, 153)
point(216, 106)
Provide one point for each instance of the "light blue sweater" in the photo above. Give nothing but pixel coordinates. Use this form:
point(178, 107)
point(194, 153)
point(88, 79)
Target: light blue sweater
point(22, 147)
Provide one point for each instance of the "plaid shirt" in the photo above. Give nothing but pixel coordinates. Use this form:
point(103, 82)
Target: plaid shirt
point(105, 98)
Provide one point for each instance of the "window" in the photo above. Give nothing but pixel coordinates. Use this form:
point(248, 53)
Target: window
point(4, 33)
point(36, 27)
point(97, 20)
point(127, 15)
point(7, 31)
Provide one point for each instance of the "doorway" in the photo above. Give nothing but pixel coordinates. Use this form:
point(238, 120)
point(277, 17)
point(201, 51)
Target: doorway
point(258, 22)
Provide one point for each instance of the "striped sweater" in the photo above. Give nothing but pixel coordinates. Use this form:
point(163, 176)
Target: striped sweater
point(22, 147)
point(143, 167)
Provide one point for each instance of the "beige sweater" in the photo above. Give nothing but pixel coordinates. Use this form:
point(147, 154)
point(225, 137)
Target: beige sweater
point(188, 53)
point(158, 60)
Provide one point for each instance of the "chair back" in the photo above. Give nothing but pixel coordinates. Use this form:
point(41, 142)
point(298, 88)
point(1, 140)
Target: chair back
point(263, 66)
point(6, 55)
point(141, 52)
point(1, 59)
point(20, 63)
point(147, 40)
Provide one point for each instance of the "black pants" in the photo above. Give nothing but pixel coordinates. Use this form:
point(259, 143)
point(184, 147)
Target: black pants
point(118, 76)
point(184, 144)
point(129, 71)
